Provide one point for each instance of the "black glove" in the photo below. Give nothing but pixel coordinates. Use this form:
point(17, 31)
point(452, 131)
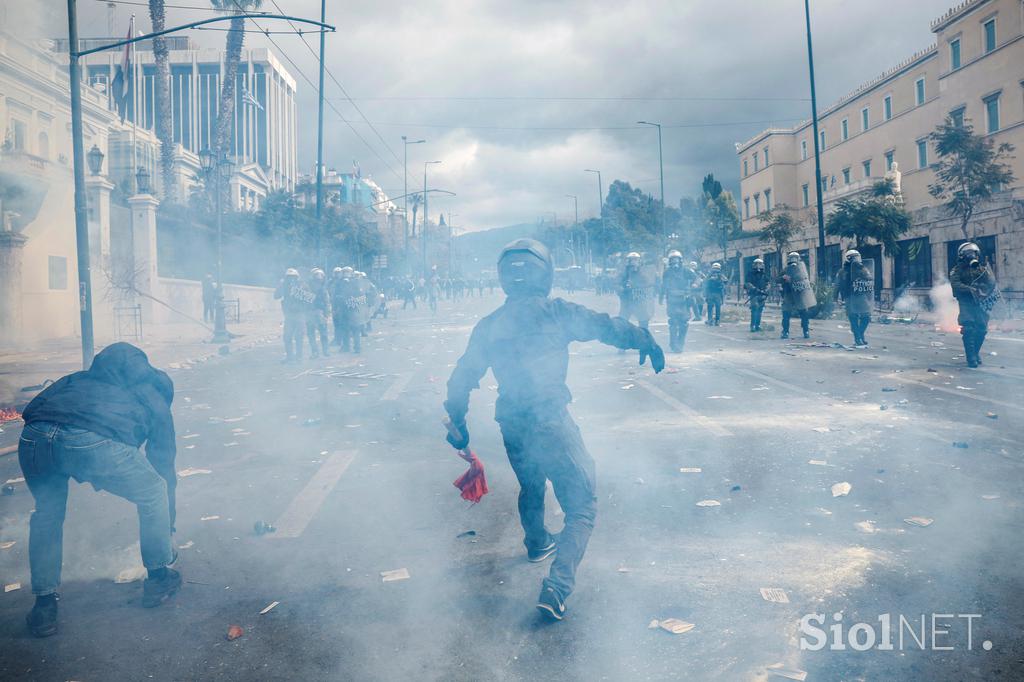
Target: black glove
point(653, 350)
point(460, 442)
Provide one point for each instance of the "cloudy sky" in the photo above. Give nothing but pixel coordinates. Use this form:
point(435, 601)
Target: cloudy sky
point(517, 97)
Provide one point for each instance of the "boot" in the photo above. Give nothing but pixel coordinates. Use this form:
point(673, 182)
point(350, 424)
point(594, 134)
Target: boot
point(42, 619)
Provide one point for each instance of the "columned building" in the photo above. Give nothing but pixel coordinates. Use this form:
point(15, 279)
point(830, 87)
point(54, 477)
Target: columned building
point(973, 72)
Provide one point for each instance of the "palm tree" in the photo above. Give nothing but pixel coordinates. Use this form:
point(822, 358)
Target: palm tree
point(164, 131)
point(232, 56)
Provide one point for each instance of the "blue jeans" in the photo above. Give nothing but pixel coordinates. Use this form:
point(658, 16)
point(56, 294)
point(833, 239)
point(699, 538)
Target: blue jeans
point(51, 453)
point(552, 449)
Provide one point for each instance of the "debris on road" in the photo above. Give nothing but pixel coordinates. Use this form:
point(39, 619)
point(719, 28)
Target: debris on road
point(889, 389)
point(776, 595)
point(8, 490)
point(130, 575)
point(639, 481)
point(234, 632)
point(467, 534)
point(186, 545)
point(231, 444)
point(11, 587)
point(992, 415)
point(821, 429)
point(269, 607)
point(780, 670)
point(960, 444)
point(866, 527)
point(719, 397)
point(7, 545)
point(818, 462)
point(841, 489)
point(921, 521)
point(673, 625)
point(709, 503)
point(192, 471)
point(689, 470)
point(10, 481)
point(262, 528)
point(214, 517)
point(312, 421)
point(623, 569)
point(984, 497)
point(395, 575)
point(735, 488)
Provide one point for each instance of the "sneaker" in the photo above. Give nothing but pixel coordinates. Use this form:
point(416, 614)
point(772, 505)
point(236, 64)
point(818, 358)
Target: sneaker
point(155, 591)
point(42, 619)
point(549, 604)
point(807, 335)
point(785, 335)
point(538, 555)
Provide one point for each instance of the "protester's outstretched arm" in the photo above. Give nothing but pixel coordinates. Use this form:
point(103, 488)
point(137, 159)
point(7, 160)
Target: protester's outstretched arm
point(466, 376)
point(583, 324)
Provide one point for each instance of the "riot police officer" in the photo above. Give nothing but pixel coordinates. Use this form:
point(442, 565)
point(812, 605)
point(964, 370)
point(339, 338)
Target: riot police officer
point(797, 296)
point(855, 285)
point(635, 291)
point(975, 290)
point(319, 312)
point(756, 286)
point(696, 297)
point(675, 293)
point(714, 294)
point(295, 302)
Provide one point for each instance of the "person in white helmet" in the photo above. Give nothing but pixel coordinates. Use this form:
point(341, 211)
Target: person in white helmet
point(714, 294)
point(855, 286)
point(757, 286)
point(696, 292)
point(636, 291)
point(675, 293)
point(975, 290)
point(319, 313)
point(797, 295)
point(295, 303)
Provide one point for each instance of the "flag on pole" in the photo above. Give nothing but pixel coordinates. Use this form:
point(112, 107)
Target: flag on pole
point(121, 87)
point(247, 98)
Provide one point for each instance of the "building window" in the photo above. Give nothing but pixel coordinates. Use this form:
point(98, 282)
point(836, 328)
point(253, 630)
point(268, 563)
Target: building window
point(954, 54)
point(44, 146)
point(990, 35)
point(866, 165)
point(746, 168)
point(757, 166)
point(912, 266)
point(821, 140)
point(805, 190)
point(757, 204)
point(845, 127)
point(824, 183)
point(922, 153)
point(919, 91)
point(19, 134)
point(767, 200)
point(846, 176)
point(803, 150)
point(58, 272)
point(766, 157)
point(887, 107)
point(746, 207)
point(992, 113)
point(890, 157)
point(865, 120)
point(957, 117)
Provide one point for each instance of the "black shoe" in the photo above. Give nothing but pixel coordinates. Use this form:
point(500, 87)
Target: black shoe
point(42, 619)
point(807, 335)
point(155, 591)
point(549, 604)
point(538, 555)
point(785, 335)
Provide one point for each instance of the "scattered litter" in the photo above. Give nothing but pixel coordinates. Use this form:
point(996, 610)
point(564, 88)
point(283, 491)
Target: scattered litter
point(992, 415)
point(937, 344)
point(209, 518)
point(130, 575)
point(964, 388)
point(312, 421)
point(761, 388)
point(232, 420)
point(12, 587)
point(623, 569)
point(234, 632)
point(467, 534)
point(774, 594)
point(818, 462)
point(191, 471)
point(866, 527)
point(689, 470)
point(190, 447)
point(854, 371)
point(841, 489)
point(709, 503)
point(963, 445)
point(824, 511)
point(627, 387)
point(231, 444)
point(821, 429)
point(639, 481)
point(673, 625)
point(395, 575)
point(889, 389)
point(352, 426)
point(20, 479)
point(735, 488)
point(933, 370)
point(7, 545)
point(984, 497)
point(269, 607)
point(921, 521)
point(186, 545)
point(8, 490)
point(190, 435)
point(719, 397)
point(262, 528)
point(789, 673)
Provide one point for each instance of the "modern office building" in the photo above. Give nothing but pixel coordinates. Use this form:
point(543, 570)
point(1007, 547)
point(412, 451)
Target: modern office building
point(973, 72)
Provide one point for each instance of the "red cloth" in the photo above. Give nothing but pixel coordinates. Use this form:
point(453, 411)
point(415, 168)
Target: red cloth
point(473, 483)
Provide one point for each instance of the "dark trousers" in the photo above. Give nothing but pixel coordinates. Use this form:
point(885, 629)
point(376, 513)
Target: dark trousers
point(714, 310)
point(317, 324)
point(974, 334)
point(552, 449)
point(407, 299)
point(755, 316)
point(805, 321)
point(294, 328)
point(678, 326)
point(859, 325)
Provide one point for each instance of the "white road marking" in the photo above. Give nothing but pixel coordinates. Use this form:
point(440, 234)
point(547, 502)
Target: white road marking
point(693, 414)
point(396, 388)
point(304, 507)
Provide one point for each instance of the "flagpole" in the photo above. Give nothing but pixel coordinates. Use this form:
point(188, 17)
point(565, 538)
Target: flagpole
point(132, 86)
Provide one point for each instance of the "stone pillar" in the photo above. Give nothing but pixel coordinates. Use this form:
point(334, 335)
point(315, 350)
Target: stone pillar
point(104, 296)
point(144, 251)
point(11, 244)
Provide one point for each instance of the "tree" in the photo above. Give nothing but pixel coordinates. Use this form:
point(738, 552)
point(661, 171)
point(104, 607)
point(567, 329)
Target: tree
point(723, 218)
point(164, 131)
point(879, 217)
point(232, 56)
point(778, 229)
point(969, 170)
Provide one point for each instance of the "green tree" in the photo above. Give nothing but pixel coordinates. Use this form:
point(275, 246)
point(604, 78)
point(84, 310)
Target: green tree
point(778, 229)
point(878, 217)
point(232, 56)
point(970, 168)
point(723, 219)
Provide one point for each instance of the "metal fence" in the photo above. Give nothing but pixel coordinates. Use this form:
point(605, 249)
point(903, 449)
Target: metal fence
point(128, 322)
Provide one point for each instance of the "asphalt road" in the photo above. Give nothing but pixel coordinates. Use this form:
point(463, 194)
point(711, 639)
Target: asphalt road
point(346, 457)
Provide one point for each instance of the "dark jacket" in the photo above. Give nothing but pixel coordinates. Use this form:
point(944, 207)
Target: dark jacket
point(121, 396)
point(757, 285)
point(714, 286)
point(971, 286)
point(296, 298)
point(525, 343)
point(856, 286)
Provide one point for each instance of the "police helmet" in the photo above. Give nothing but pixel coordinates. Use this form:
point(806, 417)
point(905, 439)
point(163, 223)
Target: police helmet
point(336, 271)
point(969, 251)
point(852, 256)
point(525, 268)
point(716, 266)
point(347, 271)
point(675, 254)
point(291, 272)
point(693, 265)
point(793, 257)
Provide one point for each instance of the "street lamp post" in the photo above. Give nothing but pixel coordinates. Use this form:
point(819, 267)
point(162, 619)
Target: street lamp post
point(661, 173)
point(423, 229)
point(218, 170)
point(820, 256)
point(575, 225)
point(405, 198)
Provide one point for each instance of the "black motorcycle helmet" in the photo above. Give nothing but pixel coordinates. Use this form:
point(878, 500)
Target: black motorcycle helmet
point(525, 268)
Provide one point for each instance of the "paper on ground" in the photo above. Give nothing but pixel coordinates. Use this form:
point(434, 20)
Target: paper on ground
point(397, 574)
point(841, 489)
point(774, 594)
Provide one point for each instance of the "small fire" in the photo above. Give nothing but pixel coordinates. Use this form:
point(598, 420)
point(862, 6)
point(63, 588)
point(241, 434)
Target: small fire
point(9, 414)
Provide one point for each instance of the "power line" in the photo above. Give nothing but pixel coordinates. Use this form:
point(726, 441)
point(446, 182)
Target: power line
point(532, 98)
point(581, 128)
